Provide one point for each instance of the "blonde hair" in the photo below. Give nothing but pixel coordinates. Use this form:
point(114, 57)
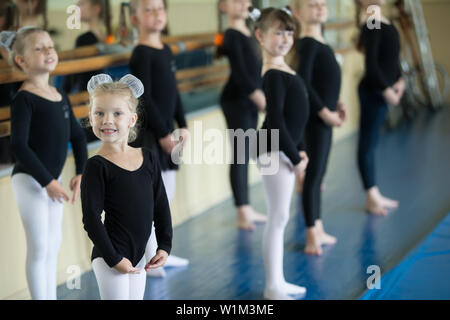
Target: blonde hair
point(122, 89)
point(20, 43)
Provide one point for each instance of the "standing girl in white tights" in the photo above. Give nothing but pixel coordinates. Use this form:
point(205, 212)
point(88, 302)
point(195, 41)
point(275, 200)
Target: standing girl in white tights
point(287, 114)
point(42, 124)
point(126, 184)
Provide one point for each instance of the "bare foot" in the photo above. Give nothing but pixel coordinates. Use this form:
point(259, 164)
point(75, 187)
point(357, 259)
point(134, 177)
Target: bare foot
point(376, 207)
point(374, 202)
point(389, 203)
point(312, 242)
point(257, 217)
point(245, 221)
point(247, 217)
point(325, 238)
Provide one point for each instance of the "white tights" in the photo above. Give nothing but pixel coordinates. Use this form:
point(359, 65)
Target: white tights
point(114, 285)
point(42, 219)
point(169, 180)
point(278, 189)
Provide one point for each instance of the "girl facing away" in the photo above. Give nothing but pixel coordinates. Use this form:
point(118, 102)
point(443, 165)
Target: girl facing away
point(42, 125)
point(287, 115)
point(126, 184)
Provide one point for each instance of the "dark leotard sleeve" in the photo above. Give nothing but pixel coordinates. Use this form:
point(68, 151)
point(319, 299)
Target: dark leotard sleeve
point(92, 201)
point(275, 88)
point(140, 67)
point(372, 41)
point(235, 53)
point(307, 52)
point(21, 113)
point(179, 113)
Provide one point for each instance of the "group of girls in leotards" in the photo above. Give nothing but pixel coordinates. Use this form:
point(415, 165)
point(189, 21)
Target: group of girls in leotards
point(132, 176)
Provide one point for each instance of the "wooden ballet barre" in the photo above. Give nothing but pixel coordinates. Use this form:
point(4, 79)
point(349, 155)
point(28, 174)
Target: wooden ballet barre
point(5, 129)
point(201, 71)
point(90, 64)
point(340, 25)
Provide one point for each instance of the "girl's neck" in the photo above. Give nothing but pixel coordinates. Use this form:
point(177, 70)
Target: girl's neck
point(113, 148)
point(238, 24)
point(151, 39)
point(313, 31)
point(278, 63)
point(38, 80)
point(94, 27)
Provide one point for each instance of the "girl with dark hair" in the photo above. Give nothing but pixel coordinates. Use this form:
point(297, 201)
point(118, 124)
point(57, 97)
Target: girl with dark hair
point(287, 115)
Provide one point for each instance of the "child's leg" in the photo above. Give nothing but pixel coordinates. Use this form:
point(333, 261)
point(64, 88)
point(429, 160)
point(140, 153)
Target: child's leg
point(150, 251)
point(32, 201)
point(278, 190)
point(137, 282)
point(111, 283)
point(54, 241)
point(169, 180)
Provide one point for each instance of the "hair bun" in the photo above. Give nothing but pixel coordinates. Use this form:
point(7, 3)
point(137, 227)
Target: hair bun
point(97, 80)
point(254, 13)
point(7, 38)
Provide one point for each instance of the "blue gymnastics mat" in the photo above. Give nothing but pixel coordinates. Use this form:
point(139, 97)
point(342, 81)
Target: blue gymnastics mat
point(423, 274)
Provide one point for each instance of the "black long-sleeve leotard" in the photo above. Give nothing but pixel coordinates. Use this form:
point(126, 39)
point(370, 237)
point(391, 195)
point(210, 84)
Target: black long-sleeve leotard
point(245, 65)
point(131, 200)
point(40, 132)
point(161, 99)
point(382, 50)
point(287, 111)
point(321, 72)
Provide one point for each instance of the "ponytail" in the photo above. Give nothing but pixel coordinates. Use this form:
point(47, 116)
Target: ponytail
point(219, 38)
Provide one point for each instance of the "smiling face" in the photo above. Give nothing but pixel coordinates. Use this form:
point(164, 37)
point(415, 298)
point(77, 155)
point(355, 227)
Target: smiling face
point(39, 54)
point(111, 117)
point(276, 41)
point(151, 15)
point(313, 11)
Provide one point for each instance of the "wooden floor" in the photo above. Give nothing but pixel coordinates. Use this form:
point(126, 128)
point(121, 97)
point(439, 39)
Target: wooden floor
point(413, 167)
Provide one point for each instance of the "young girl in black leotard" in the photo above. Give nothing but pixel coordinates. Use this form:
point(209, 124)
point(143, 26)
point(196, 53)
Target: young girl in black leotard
point(42, 124)
point(241, 100)
point(381, 85)
point(287, 114)
point(126, 183)
point(153, 63)
point(319, 69)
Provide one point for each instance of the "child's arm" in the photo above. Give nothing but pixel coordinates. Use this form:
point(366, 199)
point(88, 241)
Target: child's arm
point(307, 54)
point(79, 147)
point(275, 90)
point(235, 53)
point(92, 202)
